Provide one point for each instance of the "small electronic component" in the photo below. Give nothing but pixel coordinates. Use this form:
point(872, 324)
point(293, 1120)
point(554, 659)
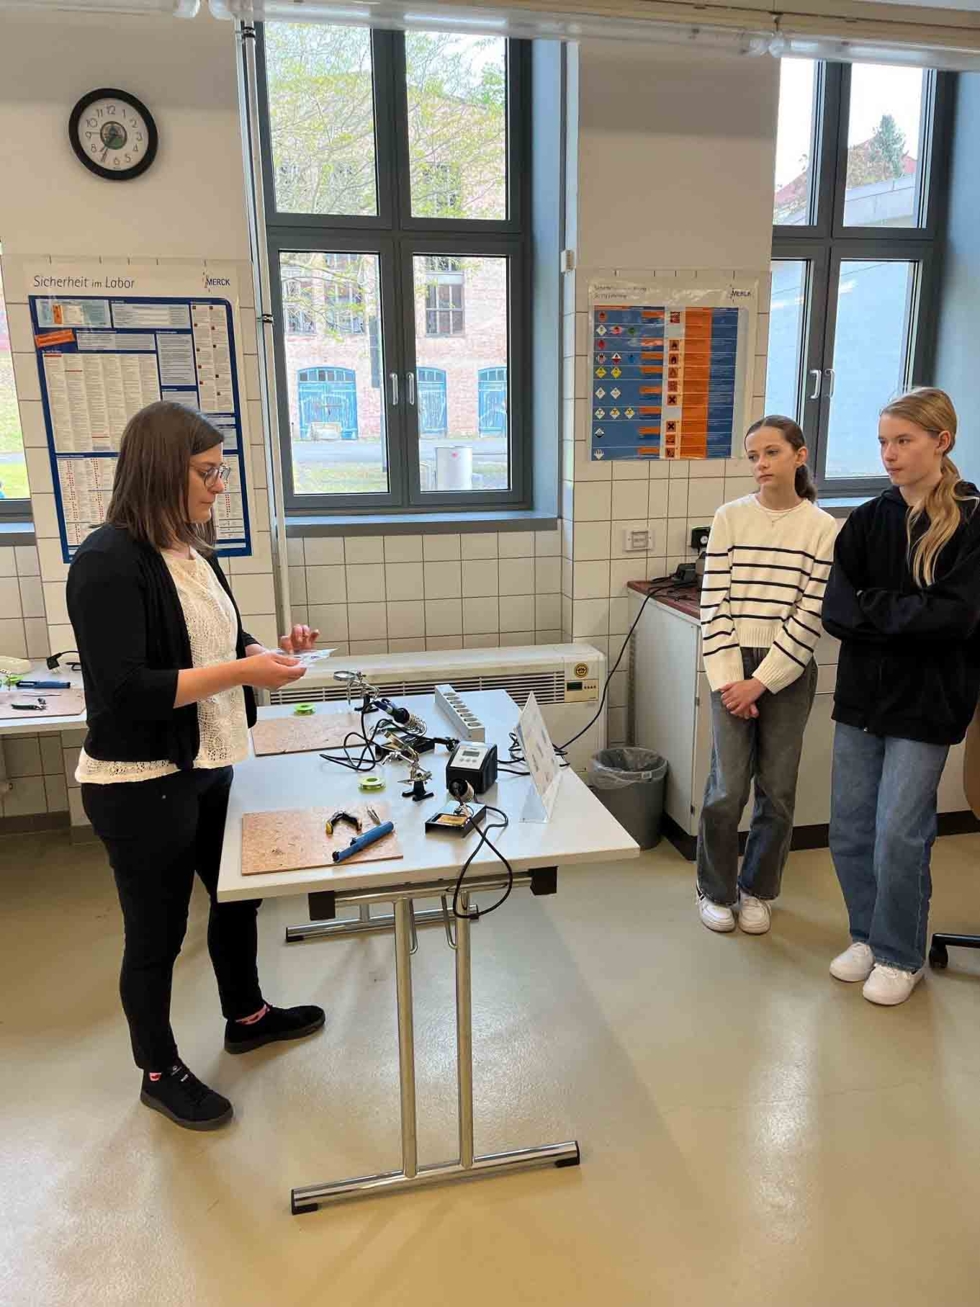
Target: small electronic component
point(472, 764)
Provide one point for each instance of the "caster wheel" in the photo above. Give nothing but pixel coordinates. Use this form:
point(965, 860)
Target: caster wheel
point(938, 957)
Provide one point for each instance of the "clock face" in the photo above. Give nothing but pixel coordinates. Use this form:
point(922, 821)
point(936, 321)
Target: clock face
point(113, 134)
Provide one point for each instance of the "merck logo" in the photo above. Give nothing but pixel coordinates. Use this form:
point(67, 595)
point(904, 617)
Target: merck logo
point(211, 282)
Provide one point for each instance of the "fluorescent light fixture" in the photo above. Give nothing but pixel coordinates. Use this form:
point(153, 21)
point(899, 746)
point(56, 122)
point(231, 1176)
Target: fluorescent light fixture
point(173, 8)
point(769, 32)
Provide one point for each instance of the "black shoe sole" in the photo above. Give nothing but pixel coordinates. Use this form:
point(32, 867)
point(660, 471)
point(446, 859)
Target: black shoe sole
point(214, 1124)
point(246, 1046)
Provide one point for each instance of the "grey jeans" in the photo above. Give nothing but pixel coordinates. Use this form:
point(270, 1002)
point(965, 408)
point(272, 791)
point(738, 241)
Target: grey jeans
point(765, 749)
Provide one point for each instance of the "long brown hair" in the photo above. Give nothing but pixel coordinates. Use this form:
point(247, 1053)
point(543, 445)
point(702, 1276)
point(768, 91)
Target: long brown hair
point(149, 494)
point(793, 435)
point(933, 410)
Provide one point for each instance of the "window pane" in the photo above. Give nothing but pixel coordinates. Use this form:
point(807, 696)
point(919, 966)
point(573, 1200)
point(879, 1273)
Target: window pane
point(457, 125)
point(461, 373)
point(334, 373)
point(870, 360)
point(883, 146)
point(321, 115)
point(13, 468)
point(794, 143)
point(787, 316)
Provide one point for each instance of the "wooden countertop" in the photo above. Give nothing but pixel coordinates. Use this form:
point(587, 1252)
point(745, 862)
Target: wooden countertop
point(684, 598)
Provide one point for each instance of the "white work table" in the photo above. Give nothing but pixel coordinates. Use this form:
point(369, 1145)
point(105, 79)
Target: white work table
point(29, 723)
point(580, 831)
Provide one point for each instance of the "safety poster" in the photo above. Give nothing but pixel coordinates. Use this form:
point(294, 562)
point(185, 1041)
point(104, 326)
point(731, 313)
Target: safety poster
point(101, 358)
point(668, 376)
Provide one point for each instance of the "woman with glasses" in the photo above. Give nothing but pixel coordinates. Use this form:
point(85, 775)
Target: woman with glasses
point(169, 676)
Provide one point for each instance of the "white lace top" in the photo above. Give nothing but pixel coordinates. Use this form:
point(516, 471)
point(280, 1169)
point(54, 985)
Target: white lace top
point(212, 629)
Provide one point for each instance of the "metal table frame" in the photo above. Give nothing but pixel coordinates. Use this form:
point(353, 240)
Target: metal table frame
point(467, 1166)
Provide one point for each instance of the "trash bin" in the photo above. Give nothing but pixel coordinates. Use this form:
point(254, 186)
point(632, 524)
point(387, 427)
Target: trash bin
point(630, 782)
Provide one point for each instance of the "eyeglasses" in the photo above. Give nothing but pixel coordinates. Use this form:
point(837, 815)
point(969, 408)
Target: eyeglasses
point(222, 472)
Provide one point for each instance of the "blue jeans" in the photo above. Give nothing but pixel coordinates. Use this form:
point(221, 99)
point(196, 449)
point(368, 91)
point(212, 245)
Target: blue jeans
point(765, 749)
point(882, 828)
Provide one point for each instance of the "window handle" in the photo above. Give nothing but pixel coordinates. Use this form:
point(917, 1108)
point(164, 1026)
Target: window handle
point(817, 376)
point(831, 376)
point(393, 378)
point(410, 386)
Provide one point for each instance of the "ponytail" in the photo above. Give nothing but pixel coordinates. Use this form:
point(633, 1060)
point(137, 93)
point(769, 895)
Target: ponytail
point(804, 484)
point(792, 433)
point(933, 411)
point(942, 507)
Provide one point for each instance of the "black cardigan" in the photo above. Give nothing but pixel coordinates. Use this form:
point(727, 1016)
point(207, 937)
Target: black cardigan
point(909, 661)
point(132, 641)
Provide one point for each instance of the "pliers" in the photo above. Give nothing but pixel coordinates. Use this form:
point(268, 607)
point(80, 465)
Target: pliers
point(340, 815)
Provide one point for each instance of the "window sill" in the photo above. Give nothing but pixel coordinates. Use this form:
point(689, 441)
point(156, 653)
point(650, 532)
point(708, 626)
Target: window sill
point(842, 505)
point(14, 531)
point(416, 523)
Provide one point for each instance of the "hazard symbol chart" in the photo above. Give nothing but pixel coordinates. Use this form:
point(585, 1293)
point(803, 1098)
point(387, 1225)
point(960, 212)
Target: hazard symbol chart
point(103, 358)
point(666, 379)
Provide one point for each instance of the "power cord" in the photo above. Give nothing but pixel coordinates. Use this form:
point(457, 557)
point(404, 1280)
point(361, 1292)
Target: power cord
point(664, 584)
point(484, 839)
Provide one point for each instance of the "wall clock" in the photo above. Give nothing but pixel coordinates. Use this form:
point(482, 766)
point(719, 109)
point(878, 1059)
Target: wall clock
point(113, 134)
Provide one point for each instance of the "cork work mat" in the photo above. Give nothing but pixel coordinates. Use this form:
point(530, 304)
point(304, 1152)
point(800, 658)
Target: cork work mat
point(60, 703)
point(295, 839)
point(324, 730)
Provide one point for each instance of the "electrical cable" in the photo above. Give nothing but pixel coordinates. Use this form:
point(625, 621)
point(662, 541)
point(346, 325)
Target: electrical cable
point(665, 585)
point(484, 839)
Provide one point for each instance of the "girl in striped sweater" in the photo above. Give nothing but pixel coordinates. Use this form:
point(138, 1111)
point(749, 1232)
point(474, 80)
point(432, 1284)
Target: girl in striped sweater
point(768, 560)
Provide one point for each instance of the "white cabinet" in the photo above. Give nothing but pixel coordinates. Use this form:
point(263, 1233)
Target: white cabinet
point(671, 713)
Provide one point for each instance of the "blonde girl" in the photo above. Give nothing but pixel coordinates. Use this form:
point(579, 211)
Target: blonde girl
point(904, 599)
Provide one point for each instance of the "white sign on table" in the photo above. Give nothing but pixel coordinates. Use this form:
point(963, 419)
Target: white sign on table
point(539, 754)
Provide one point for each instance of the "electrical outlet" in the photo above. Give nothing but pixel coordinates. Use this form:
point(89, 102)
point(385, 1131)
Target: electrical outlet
point(636, 539)
point(699, 537)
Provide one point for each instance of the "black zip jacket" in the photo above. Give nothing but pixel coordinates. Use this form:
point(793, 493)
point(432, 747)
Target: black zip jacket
point(910, 659)
point(132, 641)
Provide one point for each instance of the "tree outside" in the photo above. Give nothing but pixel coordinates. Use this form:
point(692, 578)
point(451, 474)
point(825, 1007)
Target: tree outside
point(321, 108)
point(13, 466)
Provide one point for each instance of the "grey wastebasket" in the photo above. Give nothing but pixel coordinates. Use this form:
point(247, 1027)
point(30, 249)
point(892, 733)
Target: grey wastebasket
point(630, 782)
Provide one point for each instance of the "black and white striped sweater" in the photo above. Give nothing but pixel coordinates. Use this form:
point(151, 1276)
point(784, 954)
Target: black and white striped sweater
point(763, 588)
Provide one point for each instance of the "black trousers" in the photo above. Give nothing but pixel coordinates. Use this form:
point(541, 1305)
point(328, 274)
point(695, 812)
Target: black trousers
point(157, 834)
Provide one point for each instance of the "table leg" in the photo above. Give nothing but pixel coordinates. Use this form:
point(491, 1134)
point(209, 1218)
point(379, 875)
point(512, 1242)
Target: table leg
point(464, 1034)
point(406, 1036)
point(468, 1166)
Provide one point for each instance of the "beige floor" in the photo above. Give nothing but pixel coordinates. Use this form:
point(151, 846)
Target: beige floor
point(752, 1131)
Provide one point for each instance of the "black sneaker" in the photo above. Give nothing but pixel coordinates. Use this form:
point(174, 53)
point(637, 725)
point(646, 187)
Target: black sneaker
point(181, 1097)
point(278, 1023)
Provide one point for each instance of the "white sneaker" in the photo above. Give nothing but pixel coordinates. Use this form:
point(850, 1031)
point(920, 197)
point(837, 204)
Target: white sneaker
point(855, 963)
point(715, 915)
point(754, 915)
point(890, 985)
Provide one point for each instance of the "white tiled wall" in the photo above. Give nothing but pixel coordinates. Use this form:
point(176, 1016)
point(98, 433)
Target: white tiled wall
point(23, 629)
point(401, 593)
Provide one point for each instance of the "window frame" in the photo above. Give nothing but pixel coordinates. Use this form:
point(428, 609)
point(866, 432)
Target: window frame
point(826, 242)
point(15, 510)
point(397, 238)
